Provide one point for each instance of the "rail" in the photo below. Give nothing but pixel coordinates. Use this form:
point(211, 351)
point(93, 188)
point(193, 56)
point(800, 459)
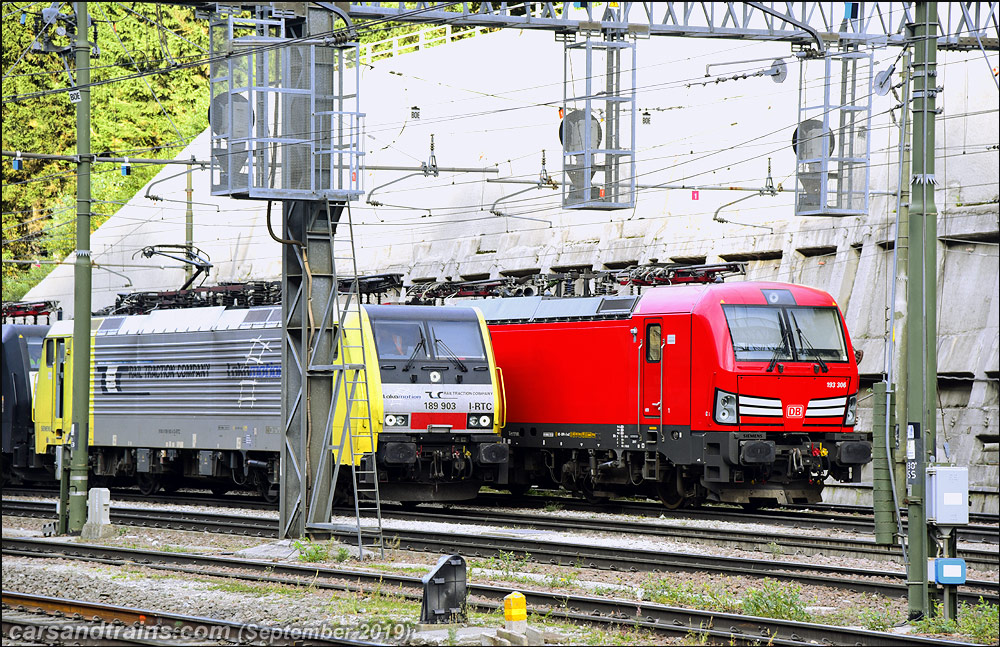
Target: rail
point(67, 621)
point(543, 550)
point(718, 627)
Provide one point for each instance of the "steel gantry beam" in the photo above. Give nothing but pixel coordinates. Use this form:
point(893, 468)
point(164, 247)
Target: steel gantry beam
point(963, 25)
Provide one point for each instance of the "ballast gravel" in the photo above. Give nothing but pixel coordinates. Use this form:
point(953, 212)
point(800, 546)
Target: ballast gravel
point(643, 542)
point(148, 588)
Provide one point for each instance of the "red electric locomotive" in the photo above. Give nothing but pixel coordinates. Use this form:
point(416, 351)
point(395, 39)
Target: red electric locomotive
point(736, 392)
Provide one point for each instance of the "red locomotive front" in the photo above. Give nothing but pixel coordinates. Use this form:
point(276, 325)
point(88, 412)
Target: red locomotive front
point(739, 392)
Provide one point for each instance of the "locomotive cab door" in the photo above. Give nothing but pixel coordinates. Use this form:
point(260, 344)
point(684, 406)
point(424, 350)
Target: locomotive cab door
point(59, 385)
point(651, 374)
point(49, 405)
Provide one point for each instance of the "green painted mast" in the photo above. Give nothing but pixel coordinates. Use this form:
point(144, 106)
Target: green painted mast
point(921, 320)
point(80, 435)
point(888, 460)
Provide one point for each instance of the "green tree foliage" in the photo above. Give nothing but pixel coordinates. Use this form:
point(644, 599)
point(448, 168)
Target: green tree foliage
point(141, 48)
point(139, 45)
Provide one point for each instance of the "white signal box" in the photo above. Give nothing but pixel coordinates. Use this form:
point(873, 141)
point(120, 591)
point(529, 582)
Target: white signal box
point(948, 495)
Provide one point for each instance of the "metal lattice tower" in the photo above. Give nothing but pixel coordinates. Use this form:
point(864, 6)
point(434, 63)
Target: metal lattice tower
point(284, 110)
point(598, 126)
point(327, 399)
point(349, 433)
point(286, 126)
point(832, 141)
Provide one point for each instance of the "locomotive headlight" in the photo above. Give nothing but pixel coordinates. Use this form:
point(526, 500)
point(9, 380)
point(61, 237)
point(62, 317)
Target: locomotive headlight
point(390, 420)
point(473, 421)
point(484, 421)
point(725, 408)
point(851, 417)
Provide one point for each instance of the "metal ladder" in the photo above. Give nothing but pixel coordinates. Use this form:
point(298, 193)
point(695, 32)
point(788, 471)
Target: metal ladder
point(350, 390)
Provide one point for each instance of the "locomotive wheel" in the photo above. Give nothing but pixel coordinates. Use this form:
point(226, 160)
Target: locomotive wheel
point(149, 484)
point(518, 489)
point(587, 490)
point(669, 496)
point(267, 492)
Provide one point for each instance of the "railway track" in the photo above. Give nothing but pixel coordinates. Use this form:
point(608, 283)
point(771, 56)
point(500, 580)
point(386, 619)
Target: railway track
point(480, 544)
point(775, 542)
point(725, 628)
point(855, 519)
point(781, 543)
point(844, 518)
point(40, 619)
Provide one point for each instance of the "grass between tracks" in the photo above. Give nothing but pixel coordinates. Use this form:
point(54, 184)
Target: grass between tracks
point(981, 622)
point(765, 598)
point(772, 599)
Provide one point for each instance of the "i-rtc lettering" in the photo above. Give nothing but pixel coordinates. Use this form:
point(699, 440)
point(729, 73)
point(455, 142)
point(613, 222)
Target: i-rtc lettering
point(253, 371)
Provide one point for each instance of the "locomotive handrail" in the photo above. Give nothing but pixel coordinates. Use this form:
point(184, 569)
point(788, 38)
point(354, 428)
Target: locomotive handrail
point(638, 389)
point(663, 361)
point(503, 398)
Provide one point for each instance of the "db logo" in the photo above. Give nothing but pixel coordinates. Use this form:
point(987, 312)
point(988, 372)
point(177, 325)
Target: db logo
point(794, 411)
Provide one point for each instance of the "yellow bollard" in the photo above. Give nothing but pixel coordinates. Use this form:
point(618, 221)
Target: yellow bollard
point(515, 613)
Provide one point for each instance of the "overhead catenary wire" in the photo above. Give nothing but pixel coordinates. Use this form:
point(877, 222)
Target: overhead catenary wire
point(29, 47)
point(839, 226)
point(465, 207)
point(159, 25)
point(114, 30)
point(368, 26)
point(454, 117)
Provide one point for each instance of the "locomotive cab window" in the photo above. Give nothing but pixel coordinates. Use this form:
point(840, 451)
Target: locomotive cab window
point(463, 339)
point(758, 332)
point(50, 352)
point(399, 340)
point(34, 353)
point(817, 334)
point(803, 334)
point(653, 347)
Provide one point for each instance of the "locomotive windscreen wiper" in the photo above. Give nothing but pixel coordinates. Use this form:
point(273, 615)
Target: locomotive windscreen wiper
point(452, 357)
point(782, 343)
point(805, 341)
point(413, 355)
